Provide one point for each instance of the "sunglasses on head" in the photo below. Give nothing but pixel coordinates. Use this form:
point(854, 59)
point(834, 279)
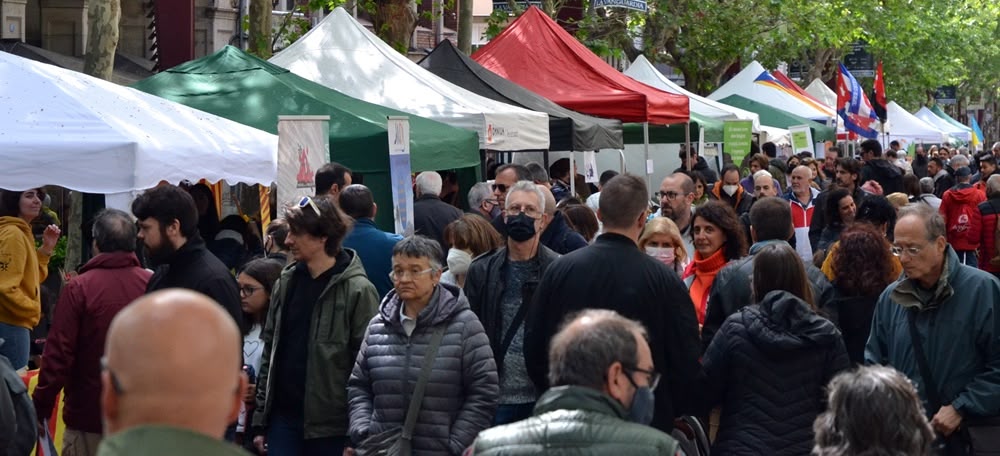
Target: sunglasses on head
point(307, 201)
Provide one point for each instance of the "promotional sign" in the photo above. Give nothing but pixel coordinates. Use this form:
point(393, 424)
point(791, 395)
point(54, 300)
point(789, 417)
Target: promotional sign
point(859, 61)
point(801, 139)
point(737, 136)
point(945, 95)
point(399, 174)
point(503, 5)
point(590, 167)
point(303, 148)
point(638, 5)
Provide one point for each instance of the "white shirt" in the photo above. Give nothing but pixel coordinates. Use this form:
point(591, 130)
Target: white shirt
point(253, 348)
point(409, 324)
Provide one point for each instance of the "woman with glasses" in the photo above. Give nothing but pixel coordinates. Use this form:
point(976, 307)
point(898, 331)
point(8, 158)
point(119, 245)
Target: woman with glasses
point(255, 279)
point(769, 363)
point(461, 392)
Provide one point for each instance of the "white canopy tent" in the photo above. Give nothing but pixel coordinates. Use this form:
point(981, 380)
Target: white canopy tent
point(755, 83)
point(69, 129)
point(822, 93)
point(907, 128)
point(342, 54)
point(928, 116)
point(642, 70)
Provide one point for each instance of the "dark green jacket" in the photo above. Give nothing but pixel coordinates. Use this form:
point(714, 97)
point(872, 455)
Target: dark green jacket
point(958, 327)
point(164, 441)
point(573, 420)
point(336, 330)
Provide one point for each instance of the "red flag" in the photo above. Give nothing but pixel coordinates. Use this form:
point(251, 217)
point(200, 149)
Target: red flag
point(879, 96)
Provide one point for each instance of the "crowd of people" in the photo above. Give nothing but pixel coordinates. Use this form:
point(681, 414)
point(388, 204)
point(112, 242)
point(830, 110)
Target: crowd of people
point(842, 306)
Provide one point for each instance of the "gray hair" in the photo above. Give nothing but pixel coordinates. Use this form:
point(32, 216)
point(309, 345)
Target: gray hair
point(761, 173)
point(417, 246)
point(926, 185)
point(872, 410)
point(993, 185)
point(590, 342)
point(528, 187)
point(429, 183)
point(932, 219)
point(114, 231)
point(538, 172)
point(479, 193)
point(959, 160)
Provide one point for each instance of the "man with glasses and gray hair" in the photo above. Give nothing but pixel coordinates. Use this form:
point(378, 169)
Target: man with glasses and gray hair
point(938, 325)
point(320, 308)
point(602, 375)
point(500, 285)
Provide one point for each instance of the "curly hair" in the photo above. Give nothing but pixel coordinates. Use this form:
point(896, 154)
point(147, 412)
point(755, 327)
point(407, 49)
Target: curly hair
point(832, 208)
point(866, 261)
point(724, 217)
point(474, 233)
point(761, 160)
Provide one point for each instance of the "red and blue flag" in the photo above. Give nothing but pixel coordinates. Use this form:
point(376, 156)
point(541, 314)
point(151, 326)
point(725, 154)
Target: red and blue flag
point(853, 106)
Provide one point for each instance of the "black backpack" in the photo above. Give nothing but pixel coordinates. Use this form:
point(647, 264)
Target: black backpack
point(18, 424)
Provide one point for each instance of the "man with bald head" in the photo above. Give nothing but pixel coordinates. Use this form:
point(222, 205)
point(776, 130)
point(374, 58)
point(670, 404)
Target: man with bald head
point(801, 197)
point(676, 198)
point(171, 380)
point(557, 234)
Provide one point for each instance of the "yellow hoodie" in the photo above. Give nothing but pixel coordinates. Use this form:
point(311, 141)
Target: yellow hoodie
point(22, 271)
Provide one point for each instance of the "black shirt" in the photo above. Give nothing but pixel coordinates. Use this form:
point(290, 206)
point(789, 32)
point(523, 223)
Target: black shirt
point(293, 347)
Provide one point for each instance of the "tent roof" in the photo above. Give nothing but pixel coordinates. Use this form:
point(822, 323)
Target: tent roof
point(938, 112)
point(774, 117)
point(535, 52)
point(819, 90)
point(902, 124)
point(342, 54)
point(961, 132)
point(244, 88)
point(794, 87)
point(127, 70)
point(755, 83)
point(69, 129)
point(568, 130)
point(642, 70)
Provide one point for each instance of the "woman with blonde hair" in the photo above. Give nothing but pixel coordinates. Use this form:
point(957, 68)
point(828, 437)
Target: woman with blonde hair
point(469, 236)
point(661, 239)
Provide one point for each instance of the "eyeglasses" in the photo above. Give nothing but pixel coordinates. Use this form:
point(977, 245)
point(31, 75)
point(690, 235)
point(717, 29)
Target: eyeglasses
point(115, 383)
point(247, 291)
point(669, 195)
point(500, 187)
point(516, 210)
point(396, 276)
point(654, 377)
point(911, 251)
point(307, 201)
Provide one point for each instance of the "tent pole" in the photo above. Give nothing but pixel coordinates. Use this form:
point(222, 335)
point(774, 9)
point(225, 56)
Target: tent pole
point(687, 144)
point(572, 173)
point(545, 158)
point(645, 144)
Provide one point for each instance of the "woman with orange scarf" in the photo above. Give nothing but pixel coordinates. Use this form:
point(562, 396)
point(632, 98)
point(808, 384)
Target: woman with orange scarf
point(718, 239)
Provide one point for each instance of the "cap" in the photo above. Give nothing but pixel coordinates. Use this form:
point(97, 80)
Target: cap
point(963, 171)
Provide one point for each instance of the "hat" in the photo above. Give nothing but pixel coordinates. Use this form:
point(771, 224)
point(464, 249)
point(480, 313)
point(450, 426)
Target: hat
point(963, 171)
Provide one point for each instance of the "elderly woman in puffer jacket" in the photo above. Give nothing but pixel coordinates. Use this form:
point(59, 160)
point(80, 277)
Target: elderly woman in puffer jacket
point(461, 396)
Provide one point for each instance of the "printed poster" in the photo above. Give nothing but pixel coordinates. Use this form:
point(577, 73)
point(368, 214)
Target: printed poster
point(303, 148)
point(399, 174)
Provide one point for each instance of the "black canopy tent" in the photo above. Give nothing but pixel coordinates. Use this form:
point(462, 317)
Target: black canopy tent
point(568, 130)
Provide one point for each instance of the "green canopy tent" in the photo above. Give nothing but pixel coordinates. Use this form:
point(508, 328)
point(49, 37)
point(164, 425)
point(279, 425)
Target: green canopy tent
point(674, 134)
point(774, 117)
point(951, 120)
point(240, 87)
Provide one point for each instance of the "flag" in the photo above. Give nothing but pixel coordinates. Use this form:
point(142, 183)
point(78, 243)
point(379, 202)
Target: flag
point(977, 133)
point(878, 93)
point(853, 106)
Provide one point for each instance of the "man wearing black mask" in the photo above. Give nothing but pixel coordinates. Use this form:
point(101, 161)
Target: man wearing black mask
point(500, 285)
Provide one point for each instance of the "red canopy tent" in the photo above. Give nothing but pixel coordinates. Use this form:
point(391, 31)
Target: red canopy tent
point(535, 52)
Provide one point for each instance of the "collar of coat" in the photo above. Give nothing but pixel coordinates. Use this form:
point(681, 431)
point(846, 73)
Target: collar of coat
point(906, 294)
point(579, 398)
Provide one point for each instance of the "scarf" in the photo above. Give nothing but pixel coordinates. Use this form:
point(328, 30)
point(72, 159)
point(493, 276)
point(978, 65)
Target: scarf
point(704, 271)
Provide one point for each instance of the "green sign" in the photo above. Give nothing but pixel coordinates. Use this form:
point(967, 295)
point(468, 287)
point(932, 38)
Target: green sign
point(800, 140)
point(737, 136)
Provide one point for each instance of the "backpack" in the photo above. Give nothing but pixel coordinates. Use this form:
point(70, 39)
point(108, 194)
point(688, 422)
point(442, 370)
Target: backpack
point(18, 423)
point(959, 226)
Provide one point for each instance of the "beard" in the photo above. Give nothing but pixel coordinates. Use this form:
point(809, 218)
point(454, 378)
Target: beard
point(160, 254)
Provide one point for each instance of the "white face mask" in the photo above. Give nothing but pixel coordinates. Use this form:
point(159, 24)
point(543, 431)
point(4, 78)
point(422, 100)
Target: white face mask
point(730, 189)
point(664, 255)
point(458, 261)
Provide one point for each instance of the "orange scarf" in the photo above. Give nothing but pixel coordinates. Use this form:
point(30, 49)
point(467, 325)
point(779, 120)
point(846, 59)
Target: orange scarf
point(704, 270)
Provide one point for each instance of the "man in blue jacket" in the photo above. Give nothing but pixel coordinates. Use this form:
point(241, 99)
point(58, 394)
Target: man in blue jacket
point(947, 311)
point(373, 245)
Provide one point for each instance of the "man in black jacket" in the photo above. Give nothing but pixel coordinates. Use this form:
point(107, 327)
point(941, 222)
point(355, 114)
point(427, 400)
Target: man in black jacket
point(878, 169)
point(499, 286)
point(848, 177)
point(557, 234)
point(168, 227)
point(430, 214)
point(770, 222)
point(613, 274)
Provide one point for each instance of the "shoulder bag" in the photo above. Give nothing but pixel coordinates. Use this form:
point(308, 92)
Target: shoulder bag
point(399, 441)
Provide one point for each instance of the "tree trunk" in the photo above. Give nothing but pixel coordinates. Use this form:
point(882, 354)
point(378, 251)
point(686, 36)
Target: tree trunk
point(394, 22)
point(260, 29)
point(465, 26)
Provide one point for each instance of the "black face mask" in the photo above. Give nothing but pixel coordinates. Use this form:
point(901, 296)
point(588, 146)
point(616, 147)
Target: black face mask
point(520, 227)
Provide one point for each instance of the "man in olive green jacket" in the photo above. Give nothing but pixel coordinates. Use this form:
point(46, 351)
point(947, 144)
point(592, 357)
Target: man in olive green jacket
point(601, 400)
point(320, 309)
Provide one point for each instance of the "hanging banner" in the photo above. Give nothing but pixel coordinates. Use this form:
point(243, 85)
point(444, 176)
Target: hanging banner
point(638, 5)
point(303, 147)
point(399, 174)
point(737, 136)
point(590, 167)
point(504, 5)
point(801, 139)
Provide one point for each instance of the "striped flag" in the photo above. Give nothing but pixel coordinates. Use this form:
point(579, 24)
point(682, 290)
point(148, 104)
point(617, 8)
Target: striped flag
point(853, 106)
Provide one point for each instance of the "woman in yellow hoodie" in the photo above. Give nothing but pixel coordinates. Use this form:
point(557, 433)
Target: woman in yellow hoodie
point(22, 270)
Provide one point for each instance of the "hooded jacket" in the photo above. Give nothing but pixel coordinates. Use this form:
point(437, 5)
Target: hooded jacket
point(337, 327)
point(958, 326)
point(22, 270)
point(463, 389)
point(989, 212)
point(701, 166)
point(768, 367)
point(887, 174)
point(963, 221)
point(559, 237)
